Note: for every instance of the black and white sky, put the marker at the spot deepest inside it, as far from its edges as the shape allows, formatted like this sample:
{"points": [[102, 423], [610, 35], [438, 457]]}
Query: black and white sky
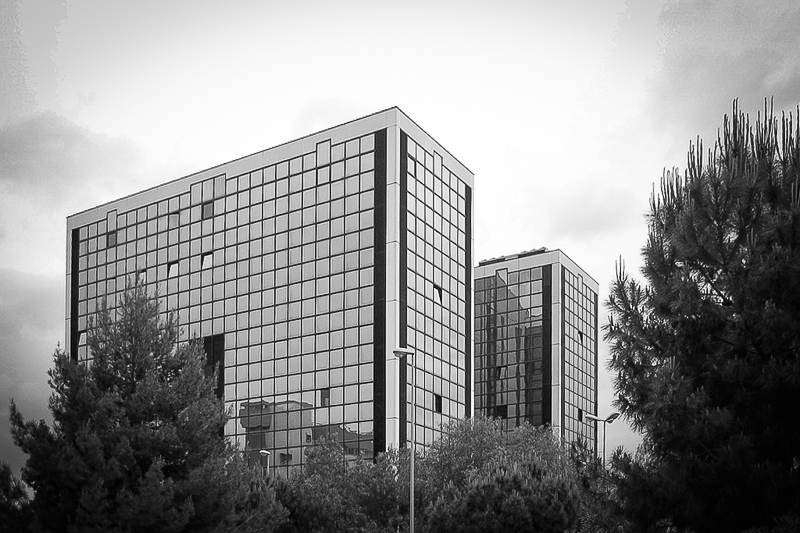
{"points": [[567, 112]]}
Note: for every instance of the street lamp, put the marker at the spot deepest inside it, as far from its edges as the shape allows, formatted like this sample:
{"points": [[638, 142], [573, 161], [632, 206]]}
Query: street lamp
{"points": [[609, 420], [263, 454], [405, 353]]}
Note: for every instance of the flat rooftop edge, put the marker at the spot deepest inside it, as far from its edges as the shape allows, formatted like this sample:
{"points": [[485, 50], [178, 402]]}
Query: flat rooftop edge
{"points": [[490, 264], [527, 253], [211, 170]]}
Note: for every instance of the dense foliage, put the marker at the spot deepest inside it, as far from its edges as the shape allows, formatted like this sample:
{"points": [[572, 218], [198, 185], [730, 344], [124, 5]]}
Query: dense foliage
{"points": [[707, 350], [476, 477], [331, 494], [136, 445], [506, 496], [15, 508], [480, 477], [136, 442], [600, 509]]}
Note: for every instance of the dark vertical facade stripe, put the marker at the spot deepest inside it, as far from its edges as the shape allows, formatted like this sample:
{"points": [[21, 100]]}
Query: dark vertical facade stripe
{"points": [[403, 286], [468, 292], [547, 345], [379, 303], [563, 354], [563, 341], [596, 368], [214, 347], [73, 296], [403, 236], [403, 402]]}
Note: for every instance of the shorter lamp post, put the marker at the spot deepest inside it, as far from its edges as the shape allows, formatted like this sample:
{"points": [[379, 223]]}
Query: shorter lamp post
{"points": [[263, 454], [609, 420], [402, 353]]}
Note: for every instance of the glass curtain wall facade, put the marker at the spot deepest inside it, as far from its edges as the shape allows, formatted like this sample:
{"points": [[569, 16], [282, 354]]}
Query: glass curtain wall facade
{"points": [[435, 288], [536, 343], [287, 265]]}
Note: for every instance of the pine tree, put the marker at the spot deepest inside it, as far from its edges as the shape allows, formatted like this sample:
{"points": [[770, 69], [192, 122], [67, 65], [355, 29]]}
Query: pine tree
{"points": [[334, 494], [707, 351], [507, 496], [15, 506], [478, 476], [136, 442]]}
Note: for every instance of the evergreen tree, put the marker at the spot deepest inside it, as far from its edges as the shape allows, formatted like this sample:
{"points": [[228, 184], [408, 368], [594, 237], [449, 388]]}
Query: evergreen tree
{"points": [[480, 477], [334, 494], [15, 506], [507, 496], [256, 508], [136, 442], [599, 506], [707, 351]]}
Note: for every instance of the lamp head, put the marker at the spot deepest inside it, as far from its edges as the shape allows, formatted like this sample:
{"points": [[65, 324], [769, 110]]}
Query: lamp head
{"points": [[402, 352], [612, 417], [264, 453]]}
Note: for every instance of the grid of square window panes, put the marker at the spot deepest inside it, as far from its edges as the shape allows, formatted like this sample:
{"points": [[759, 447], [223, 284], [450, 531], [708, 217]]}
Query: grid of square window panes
{"points": [[580, 357], [116, 250], [509, 346], [436, 291], [280, 261]]}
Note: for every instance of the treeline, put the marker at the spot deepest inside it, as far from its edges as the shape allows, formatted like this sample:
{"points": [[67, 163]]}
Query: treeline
{"points": [[137, 445]]}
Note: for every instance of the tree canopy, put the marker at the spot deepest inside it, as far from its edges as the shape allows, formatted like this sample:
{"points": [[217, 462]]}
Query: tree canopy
{"points": [[332, 494], [476, 477], [15, 508], [136, 445], [136, 441], [481, 477], [707, 349]]}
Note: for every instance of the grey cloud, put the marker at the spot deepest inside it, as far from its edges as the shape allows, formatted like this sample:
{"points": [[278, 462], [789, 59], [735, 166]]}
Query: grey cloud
{"points": [[30, 37], [48, 154], [31, 324], [29, 301], [16, 93], [716, 51]]}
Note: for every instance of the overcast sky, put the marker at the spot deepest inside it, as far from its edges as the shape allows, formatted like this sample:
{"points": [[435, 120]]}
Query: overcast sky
{"points": [[567, 112]]}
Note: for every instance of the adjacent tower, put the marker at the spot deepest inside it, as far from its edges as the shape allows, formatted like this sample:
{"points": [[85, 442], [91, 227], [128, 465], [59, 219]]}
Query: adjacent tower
{"points": [[536, 342], [301, 268]]}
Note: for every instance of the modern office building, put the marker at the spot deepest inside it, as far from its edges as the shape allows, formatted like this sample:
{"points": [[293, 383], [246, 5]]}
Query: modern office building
{"points": [[301, 268], [536, 342]]}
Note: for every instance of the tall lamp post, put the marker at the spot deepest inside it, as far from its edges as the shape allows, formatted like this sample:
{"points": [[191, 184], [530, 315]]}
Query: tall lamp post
{"points": [[405, 353], [605, 421]]}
